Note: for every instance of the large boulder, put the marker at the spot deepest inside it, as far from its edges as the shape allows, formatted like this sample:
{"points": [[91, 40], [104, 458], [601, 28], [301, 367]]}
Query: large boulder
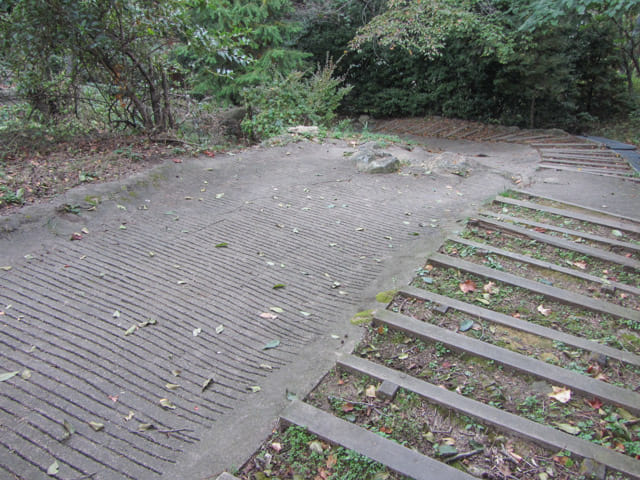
{"points": [[370, 158]]}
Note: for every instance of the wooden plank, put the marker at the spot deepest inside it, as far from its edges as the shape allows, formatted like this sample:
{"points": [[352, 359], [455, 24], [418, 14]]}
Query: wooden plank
{"points": [[558, 242], [589, 171], [613, 166], [542, 264], [558, 376], [566, 231], [554, 293], [505, 421], [523, 325], [581, 146], [391, 454], [613, 223], [590, 210]]}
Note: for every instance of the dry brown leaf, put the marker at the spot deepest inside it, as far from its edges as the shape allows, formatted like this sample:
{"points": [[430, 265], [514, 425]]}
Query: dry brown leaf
{"points": [[468, 286], [490, 287], [371, 391], [561, 394], [581, 264], [276, 446], [544, 311]]}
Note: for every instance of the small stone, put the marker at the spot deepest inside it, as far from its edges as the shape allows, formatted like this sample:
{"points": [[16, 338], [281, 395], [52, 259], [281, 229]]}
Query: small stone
{"points": [[541, 387], [592, 469], [387, 390], [600, 359], [442, 309], [608, 289]]}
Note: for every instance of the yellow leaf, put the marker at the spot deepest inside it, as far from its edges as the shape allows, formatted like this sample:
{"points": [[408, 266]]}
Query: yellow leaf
{"points": [[371, 391], [543, 311], [561, 394]]}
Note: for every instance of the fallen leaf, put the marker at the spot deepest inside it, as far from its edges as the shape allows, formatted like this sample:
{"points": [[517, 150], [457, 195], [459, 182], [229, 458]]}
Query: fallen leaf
{"points": [[305, 314], [468, 286], [25, 374], [177, 160], [7, 375], [561, 394], [566, 427], [196, 332], [68, 429], [271, 344], [594, 403], [220, 329], [403, 356], [76, 236], [116, 314], [143, 427], [514, 455], [276, 309], [543, 311], [616, 233], [222, 245], [445, 450], [370, 391], [581, 264], [206, 384], [276, 446], [172, 386], [130, 330], [540, 229], [347, 407], [166, 403], [113, 398], [316, 446], [254, 388], [278, 286], [264, 366], [129, 416], [122, 227], [6, 268], [97, 426], [53, 469], [219, 195], [268, 315], [331, 461], [489, 287], [176, 373], [466, 325]]}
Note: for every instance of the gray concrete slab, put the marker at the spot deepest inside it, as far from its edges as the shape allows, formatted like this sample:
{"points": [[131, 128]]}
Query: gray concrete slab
{"points": [[298, 215], [196, 248]]}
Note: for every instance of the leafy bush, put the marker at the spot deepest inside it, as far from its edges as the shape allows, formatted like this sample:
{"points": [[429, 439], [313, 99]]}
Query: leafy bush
{"points": [[294, 99]]}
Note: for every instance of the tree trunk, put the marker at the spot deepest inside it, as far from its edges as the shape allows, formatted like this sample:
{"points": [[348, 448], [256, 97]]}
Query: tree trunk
{"points": [[532, 113]]}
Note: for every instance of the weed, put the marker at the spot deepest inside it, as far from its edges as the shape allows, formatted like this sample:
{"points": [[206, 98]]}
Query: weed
{"points": [[9, 196]]}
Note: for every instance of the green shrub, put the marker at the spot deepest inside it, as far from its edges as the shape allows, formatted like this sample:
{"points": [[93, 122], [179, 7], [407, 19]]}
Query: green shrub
{"points": [[294, 99]]}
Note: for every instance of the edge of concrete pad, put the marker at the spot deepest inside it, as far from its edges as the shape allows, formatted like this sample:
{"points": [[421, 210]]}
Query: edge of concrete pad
{"points": [[226, 476], [262, 411]]}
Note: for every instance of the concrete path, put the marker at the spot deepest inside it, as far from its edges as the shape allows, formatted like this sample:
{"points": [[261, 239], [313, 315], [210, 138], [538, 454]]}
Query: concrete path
{"points": [[174, 285]]}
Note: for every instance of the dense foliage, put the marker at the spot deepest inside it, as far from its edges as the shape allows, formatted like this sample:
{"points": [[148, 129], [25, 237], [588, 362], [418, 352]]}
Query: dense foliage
{"points": [[528, 62]]}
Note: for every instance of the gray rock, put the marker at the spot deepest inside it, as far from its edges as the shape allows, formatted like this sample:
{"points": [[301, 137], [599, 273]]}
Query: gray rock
{"points": [[304, 130], [593, 469], [370, 159], [450, 162]]}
